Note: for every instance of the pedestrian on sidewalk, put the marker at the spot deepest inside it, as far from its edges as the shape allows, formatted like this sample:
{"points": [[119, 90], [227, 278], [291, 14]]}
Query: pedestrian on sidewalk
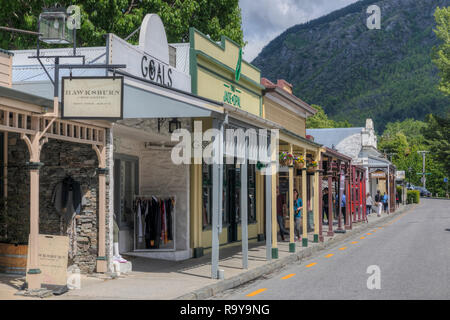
{"points": [[397, 199], [281, 207], [369, 203], [298, 206], [385, 203], [343, 208], [325, 208], [378, 203]]}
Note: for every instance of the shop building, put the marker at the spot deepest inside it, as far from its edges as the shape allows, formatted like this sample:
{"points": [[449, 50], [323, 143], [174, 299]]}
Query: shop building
{"points": [[219, 73], [360, 144], [137, 150], [290, 112]]}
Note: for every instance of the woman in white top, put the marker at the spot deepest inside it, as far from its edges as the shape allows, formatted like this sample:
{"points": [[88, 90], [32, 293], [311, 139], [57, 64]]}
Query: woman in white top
{"points": [[369, 203]]}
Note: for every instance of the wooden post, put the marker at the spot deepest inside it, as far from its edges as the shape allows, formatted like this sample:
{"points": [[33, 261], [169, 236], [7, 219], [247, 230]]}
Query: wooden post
{"points": [[304, 199], [101, 171], [320, 198], [291, 205], [315, 194], [348, 225], [330, 232]]}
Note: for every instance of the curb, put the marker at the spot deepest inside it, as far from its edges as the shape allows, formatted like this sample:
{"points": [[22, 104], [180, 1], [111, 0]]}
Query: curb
{"points": [[273, 265]]}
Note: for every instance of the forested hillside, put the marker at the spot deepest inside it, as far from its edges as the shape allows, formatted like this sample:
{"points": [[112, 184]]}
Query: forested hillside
{"points": [[355, 73]]}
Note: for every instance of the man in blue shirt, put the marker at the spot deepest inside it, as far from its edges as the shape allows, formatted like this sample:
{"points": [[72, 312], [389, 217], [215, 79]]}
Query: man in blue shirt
{"points": [[298, 206], [343, 208]]}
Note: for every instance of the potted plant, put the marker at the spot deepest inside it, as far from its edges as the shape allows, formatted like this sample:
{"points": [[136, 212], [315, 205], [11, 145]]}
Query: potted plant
{"points": [[311, 165], [299, 162], [14, 231], [286, 159]]}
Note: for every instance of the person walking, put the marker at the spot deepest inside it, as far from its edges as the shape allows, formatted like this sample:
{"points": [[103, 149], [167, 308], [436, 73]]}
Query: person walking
{"points": [[281, 207], [369, 203], [378, 203], [298, 206], [343, 208], [385, 203], [325, 208]]}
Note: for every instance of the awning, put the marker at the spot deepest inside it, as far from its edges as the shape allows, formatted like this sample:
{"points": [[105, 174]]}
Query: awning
{"points": [[143, 99]]}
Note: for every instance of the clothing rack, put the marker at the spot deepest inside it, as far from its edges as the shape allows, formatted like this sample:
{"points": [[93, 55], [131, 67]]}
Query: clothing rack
{"points": [[149, 197]]}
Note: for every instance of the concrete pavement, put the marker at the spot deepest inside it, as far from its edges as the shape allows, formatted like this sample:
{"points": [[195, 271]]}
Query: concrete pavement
{"points": [[157, 279], [411, 251]]}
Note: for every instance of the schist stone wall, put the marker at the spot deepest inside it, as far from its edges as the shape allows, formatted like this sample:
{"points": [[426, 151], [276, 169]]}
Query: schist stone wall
{"points": [[61, 159]]}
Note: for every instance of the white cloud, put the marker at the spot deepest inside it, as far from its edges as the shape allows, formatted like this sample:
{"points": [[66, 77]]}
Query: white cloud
{"points": [[263, 20]]}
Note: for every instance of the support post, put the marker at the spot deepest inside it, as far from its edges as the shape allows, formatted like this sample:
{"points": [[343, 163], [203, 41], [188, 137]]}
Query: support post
{"points": [[101, 171], [305, 204], [291, 205], [274, 199], [330, 232], [34, 277], [216, 190], [348, 197], [339, 197], [315, 198], [244, 207], [268, 199], [320, 198]]}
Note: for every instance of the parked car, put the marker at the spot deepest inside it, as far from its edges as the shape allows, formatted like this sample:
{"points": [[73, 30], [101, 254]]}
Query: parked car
{"points": [[423, 192], [410, 186]]}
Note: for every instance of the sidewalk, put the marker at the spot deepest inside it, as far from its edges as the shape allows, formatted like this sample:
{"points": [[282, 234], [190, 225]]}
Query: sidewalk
{"points": [[191, 279]]}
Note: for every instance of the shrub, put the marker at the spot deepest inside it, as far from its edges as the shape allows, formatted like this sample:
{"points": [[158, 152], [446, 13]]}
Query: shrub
{"points": [[413, 196]]}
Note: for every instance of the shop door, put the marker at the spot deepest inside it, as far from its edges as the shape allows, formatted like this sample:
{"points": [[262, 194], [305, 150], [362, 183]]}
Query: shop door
{"points": [[233, 202]]}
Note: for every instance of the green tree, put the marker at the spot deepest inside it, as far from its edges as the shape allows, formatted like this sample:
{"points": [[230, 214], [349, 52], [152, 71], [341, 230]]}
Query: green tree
{"points": [[320, 120], [442, 54], [122, 17], [437, 138]]}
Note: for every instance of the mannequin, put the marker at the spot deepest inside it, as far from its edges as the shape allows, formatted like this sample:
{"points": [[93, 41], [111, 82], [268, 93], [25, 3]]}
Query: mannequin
{"points": [[117, 257]]}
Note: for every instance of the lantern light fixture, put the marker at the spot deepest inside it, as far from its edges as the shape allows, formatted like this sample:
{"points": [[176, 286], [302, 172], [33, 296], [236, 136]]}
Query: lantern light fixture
{"points": [[53, 26]]}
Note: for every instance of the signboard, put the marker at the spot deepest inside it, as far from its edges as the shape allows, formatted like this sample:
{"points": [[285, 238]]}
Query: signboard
{"points": [[378, 175], [149, 60], [53, 253], [400, 175], [92, 98]]}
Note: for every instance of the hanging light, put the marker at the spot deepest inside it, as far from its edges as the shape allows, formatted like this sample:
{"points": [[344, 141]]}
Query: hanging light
{"points": [[174, 124], [53, 26]]}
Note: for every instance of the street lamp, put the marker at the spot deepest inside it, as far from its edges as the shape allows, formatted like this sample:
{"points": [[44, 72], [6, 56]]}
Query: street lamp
{"points": [[53, 26]]}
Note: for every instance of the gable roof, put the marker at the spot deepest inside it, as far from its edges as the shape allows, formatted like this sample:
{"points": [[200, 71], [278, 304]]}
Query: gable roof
{"points": [[330, 137]]}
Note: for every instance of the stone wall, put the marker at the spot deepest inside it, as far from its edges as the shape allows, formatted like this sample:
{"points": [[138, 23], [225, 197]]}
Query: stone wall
{"points": [[61, 159]]}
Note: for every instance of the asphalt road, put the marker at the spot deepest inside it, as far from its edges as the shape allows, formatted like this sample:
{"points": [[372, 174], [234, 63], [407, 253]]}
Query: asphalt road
{"points": [[412, 252]]}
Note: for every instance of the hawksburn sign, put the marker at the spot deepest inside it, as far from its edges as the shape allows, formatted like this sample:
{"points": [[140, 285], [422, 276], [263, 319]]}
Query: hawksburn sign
{"points": [[154, 70]]}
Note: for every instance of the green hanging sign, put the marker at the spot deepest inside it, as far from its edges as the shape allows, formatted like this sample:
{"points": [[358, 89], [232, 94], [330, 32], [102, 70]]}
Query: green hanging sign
{"points": [[237, 74]]}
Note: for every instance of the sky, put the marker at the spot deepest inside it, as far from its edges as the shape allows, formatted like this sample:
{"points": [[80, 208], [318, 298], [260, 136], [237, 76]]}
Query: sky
{"points": [[264, 20]]}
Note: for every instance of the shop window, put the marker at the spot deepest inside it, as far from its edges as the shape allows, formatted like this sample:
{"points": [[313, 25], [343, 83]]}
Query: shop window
{"points": [[126, 186], [206, 194], [251, 193]]}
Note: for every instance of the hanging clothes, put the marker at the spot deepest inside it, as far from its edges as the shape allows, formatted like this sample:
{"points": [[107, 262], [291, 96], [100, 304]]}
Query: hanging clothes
{"points": [[156, 215]]}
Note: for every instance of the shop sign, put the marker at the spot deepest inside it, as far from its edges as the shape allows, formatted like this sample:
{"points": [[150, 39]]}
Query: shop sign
{"points": [[150, 59], [400, 175], [92, 98], [231, 96], [53, 254], [378, 175]]}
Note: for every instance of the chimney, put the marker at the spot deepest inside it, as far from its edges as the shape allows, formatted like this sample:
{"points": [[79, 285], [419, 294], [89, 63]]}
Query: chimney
{"points": [[6, 68], [283, 84]]}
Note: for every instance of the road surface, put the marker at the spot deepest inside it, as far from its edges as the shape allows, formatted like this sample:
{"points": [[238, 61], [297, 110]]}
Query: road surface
{"points": [[410, 256]]}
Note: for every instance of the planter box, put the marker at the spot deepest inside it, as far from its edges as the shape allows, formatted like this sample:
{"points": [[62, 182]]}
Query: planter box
{"points": [[13, 258]]}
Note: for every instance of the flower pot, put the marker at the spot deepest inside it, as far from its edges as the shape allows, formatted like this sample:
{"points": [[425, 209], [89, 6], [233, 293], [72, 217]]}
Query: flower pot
{"points": [[299, 165], [13, 258]]}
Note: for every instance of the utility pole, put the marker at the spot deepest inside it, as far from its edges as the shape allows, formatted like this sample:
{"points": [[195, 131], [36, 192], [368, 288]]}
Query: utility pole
{"points": [[424, 179]]}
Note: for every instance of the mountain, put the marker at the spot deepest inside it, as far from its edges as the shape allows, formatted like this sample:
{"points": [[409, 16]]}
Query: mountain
{"points": [[355, 73]]}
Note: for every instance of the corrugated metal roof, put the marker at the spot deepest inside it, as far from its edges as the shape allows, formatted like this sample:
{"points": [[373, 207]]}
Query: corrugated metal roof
{"points": [[182, 56], [330, 137]]}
